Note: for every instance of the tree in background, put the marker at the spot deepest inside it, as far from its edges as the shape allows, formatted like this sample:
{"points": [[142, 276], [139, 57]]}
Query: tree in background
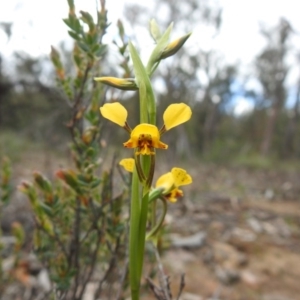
{"points": [[28, 88], [272, 70], [217, 94], [5, 84], [5, 89], [290, 146]]}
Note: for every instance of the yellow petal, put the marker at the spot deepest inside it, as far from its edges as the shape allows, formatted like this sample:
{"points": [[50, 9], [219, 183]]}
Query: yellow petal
{"points": [[144, 136], [114, 112], [145, 129], [127, 164], [130, 144], [176, 114], [162, 145], [181, 177], [165, 181]]}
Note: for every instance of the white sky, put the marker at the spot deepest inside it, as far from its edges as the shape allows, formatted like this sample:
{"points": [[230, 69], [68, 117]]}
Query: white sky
{"points": [[38, 24]]}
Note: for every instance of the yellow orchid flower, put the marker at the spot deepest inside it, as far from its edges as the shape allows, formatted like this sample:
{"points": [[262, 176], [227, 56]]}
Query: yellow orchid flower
{"points": [[172, 181], [145, 137]]}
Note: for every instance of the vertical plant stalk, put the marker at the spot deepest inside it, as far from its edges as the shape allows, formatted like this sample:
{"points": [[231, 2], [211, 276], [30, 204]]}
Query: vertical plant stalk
{"points": [[142, 229], [76, 247], [133, 237], [139, 208]]}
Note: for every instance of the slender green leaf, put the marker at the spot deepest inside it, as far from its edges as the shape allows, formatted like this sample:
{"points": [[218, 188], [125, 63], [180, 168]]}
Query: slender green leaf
{"points": [[147, 98]]}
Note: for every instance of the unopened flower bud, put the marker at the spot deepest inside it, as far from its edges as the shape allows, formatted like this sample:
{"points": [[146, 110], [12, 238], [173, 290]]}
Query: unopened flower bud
{"points": [[154, 30], [174, 46], [69, 177], [88, 135], [127, 84], [55, 57], [18, 233], [42, 182]]}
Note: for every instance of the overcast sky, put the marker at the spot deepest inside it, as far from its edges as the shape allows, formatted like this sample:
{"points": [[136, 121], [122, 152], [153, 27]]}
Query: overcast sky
{"points": [[38, 24]]}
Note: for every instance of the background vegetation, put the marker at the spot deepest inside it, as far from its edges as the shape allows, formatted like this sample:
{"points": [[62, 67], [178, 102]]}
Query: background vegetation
{"points": [[34, 107]]}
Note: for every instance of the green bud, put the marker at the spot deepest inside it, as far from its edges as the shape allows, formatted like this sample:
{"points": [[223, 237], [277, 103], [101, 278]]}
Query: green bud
{"points": [[55, 57], [28, 189], [90, 152], [42, 182], [19, 234], [77, 56], [89, 134], [121, 29], [127, 84], [88, 19], [47, 226], [154, 30], [69, 177], [71, 7]]}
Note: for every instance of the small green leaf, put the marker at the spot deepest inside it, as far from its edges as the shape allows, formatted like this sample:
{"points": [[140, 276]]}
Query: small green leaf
{"points": [[83, 47], [73, 35], [91, 116], [67, 22], [87, 18], [73, 23], [101, 51], [46, 209], [95, 183]]}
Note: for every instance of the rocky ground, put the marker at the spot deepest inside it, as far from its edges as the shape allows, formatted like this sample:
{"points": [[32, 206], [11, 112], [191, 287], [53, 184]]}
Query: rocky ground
{"points": [[245, 226], [235, 235]]}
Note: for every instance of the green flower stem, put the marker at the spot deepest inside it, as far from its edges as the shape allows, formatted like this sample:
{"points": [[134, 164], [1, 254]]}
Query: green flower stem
{"points": [[152, 108], [153, 211], [138, 222], [146, 164], [142, 230], [133, 238], [156, 228], [153, 200]]}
